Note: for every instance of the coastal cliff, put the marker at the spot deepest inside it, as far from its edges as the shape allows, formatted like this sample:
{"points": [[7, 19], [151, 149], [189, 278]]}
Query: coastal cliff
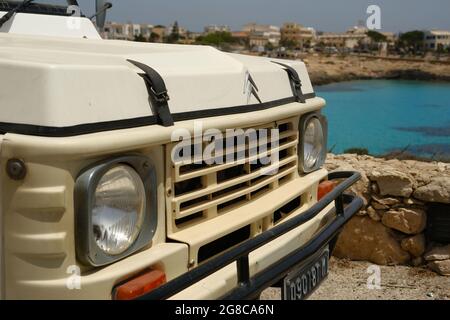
{"points": [[392, 228], [325, 70]]}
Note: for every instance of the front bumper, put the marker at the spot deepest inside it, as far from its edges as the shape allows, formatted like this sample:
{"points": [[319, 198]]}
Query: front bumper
{"points": [[345, 206]]}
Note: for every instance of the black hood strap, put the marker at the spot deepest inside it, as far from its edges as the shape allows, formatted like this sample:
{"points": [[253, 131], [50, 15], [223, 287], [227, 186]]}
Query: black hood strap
{"points": [[296, 83], [158, 94]]}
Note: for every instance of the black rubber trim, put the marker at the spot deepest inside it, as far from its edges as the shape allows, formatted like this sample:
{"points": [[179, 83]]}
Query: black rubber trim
{"points": [[45, 131], [231, 110], [294, 79], [37, 8]]}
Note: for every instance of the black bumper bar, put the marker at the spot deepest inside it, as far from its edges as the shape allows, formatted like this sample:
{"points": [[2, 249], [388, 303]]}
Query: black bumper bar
{"points": [[346, 207]]}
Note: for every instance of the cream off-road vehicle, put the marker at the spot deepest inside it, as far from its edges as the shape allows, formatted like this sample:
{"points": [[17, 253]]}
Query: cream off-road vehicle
{"points": [[153, 171]]}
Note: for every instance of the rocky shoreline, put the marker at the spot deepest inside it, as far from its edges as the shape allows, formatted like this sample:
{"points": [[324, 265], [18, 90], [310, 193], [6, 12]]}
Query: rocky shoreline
{"points": [[392, 227], [325, 70]]}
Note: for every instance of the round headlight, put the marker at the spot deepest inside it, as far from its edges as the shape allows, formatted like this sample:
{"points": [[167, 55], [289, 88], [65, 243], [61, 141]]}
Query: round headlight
{"points": [[119, 209], [313, 143]]}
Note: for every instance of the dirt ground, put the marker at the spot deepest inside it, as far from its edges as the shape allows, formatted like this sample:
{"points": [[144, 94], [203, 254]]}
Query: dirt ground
{"points": [[348, 281]]}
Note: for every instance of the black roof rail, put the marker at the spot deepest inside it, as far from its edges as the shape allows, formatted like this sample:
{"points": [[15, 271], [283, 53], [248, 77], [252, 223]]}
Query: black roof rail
{"points": [[37, 8]]}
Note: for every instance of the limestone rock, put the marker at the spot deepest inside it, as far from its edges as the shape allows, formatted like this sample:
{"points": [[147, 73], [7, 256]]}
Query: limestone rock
{"points": [[396, 194], [386, 201], [361, 213], [362, 187], [366, 239], [409, 221], [441, 267], [442, 167], [415, 245], [416, 262], [438, 253], [373, 214], [438, 190], [392, 182], [413, 202], [374, 188], [379, 206]]}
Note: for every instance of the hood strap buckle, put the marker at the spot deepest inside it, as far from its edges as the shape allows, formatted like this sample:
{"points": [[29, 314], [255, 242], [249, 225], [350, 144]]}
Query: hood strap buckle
{"points": [[158, 93], [296, 83]]}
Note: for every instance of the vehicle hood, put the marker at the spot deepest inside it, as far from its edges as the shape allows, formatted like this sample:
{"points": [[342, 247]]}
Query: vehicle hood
{"points": [[61, 82]]}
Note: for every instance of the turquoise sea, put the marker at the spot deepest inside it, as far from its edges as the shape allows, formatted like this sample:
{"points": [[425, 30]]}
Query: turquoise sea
{"points": [[387, 115]]}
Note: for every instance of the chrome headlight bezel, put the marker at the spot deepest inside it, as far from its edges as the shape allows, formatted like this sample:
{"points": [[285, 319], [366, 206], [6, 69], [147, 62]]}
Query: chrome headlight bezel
{"points": [[88, 252], [304, 121]]}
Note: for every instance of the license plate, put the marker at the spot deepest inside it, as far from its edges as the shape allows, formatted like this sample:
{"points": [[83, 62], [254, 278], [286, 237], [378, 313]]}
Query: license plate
{"points": [[301, 283]]}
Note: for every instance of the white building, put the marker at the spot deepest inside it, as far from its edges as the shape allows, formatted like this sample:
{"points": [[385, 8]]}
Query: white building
{"points": [[435, 39], [269, 33], [146, 30], [126, 31], [217, 28], [135, 29], [119, 31]]}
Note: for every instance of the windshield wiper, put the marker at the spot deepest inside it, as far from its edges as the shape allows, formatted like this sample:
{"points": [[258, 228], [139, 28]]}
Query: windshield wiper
{"points": [[11, 12]]}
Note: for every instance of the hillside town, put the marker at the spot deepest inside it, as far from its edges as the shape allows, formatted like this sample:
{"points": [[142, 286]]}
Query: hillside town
{"points": [[290, 39]]}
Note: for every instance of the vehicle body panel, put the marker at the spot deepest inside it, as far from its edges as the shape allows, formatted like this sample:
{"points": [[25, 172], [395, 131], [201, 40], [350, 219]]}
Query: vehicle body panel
{"points": [[73, 82], [39, 242]]}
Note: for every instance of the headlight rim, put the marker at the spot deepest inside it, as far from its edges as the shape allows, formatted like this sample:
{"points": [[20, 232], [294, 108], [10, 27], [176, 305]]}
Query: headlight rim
{"points": [[304, 121], [87, 250]]}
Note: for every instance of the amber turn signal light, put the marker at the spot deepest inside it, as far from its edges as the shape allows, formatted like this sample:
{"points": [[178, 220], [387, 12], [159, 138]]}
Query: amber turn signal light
{"points": [[325, 188], [139, 286]]}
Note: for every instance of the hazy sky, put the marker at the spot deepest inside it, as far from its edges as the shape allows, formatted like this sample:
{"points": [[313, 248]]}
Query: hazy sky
{"points": [[324, 15]]}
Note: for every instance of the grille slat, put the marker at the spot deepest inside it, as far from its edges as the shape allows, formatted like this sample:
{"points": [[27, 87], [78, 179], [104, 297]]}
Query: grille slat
{"points": [[234, 194], [179, 176], [230, 183], [225, 186]]}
